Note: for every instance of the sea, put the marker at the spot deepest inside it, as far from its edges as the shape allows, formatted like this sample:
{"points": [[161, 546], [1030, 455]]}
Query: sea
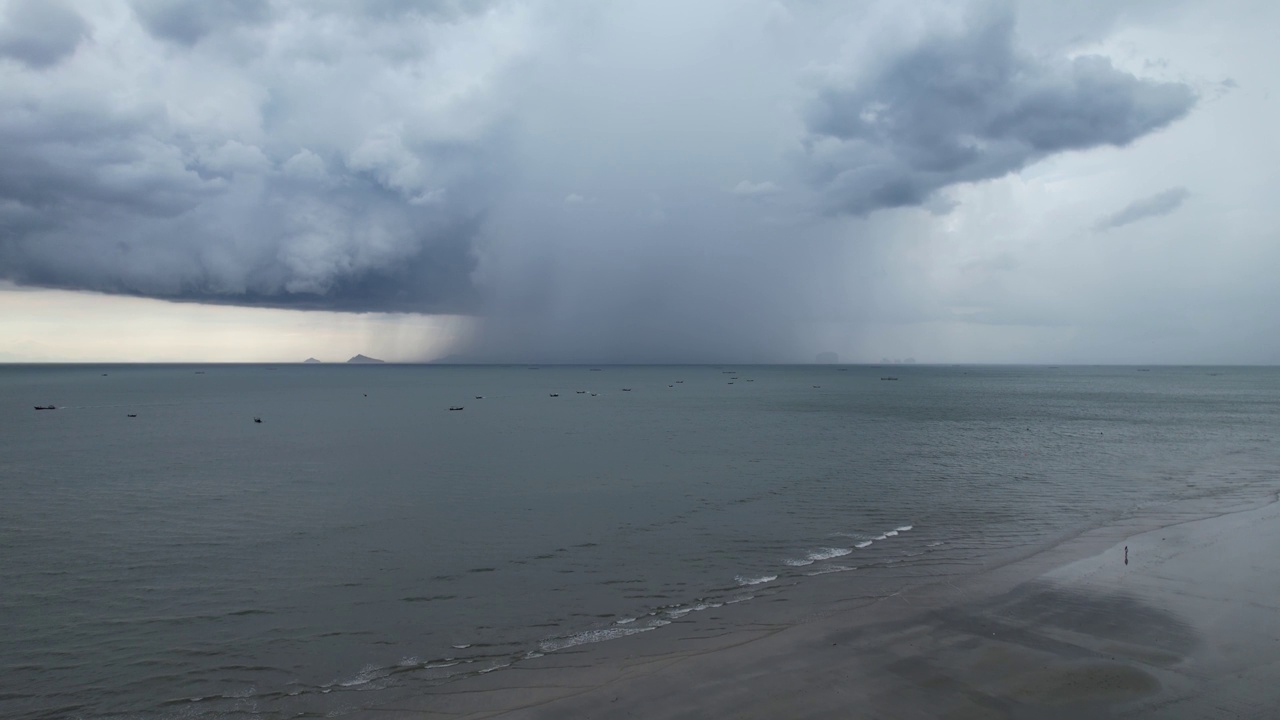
{"points": [[280, 541]]}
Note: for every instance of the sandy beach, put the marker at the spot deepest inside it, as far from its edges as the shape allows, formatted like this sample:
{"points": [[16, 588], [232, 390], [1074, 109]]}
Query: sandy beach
{"points": [[1188, 627]]}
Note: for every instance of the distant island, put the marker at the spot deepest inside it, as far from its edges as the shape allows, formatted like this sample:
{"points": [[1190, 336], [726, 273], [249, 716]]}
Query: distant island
{"points": [[363, 359], [313, 360]]}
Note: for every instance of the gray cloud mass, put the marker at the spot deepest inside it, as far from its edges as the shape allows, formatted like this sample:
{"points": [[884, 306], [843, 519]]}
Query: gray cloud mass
{"points": [[965, 105], [590, 182], [40, 33], [1162, 203]]}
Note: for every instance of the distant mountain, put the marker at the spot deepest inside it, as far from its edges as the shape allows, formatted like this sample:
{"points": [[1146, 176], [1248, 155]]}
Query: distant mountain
{"points": [[313, 360], [363, 359]]}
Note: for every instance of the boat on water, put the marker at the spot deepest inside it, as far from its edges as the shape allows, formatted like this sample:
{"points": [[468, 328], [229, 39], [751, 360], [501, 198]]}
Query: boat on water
{"points": [[46, 407], [456, 407], [257, 419], [555, 394]]}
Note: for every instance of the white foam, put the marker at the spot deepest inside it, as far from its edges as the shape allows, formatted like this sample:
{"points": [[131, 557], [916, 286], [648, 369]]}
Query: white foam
{"points": [[495, 667], [797, 563], [864, 543], [745, 581], [699, 607], [461, 647], [737, 600], [828, 553], [935, 544], [366, 675], [831, 569], [880, 537], [891, 533], [590, 636], [624, 621], [905, 528]]}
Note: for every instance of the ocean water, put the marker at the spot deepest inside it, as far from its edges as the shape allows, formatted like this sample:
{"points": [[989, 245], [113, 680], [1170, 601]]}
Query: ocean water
{"points": [[363, 542]]}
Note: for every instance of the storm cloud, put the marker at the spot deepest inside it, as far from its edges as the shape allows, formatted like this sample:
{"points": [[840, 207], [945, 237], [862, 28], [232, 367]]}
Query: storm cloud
{"points": [[1162, 203], [250, 164], [659, 181], [39, 33], [964, 104]]}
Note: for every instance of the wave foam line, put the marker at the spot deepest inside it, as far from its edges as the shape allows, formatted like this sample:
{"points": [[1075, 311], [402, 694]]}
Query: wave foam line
{"points": [[591, 636], [831, 569]]}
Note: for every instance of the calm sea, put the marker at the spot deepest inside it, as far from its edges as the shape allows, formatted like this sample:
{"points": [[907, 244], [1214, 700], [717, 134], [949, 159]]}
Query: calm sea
{"points": [[162, 555]]}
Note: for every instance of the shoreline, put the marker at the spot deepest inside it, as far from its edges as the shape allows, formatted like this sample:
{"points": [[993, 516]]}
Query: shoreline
{"points": [[1070, 631]]}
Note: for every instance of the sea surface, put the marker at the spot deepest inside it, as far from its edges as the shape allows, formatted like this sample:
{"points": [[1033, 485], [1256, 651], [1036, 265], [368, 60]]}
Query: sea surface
{"points": [[363, 542]]}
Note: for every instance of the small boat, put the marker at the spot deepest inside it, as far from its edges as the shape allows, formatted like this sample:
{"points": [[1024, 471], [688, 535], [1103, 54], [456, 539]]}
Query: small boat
{"points": [[593, 394], [626, 389], [46, 407], [581, 392], [133, 414], [817, 386], [257, 419], [555, 394], [479, 397], [888, 378], [456, 407]]}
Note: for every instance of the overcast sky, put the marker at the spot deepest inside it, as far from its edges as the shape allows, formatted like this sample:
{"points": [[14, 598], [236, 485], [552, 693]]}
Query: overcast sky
{"points": [[658, 181]]}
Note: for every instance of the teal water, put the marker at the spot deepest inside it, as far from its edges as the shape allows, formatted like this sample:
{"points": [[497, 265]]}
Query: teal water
{"points": [[363, 541]]}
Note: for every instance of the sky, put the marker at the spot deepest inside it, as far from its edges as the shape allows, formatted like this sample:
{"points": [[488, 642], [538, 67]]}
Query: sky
{"points": [[585, 181]]}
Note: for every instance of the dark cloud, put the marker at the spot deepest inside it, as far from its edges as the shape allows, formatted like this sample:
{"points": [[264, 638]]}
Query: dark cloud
{"points": [[40, 33], [1161, 203], [186, 22], [326, 187], [967, 105], [399, 9]]}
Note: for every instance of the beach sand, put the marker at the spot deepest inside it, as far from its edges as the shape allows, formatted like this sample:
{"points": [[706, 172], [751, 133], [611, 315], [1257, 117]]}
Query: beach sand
{"points": [[1189, 627]]}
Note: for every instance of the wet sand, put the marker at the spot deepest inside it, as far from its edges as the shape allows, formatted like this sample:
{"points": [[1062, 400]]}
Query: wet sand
{"points": [[1188, 628]]}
